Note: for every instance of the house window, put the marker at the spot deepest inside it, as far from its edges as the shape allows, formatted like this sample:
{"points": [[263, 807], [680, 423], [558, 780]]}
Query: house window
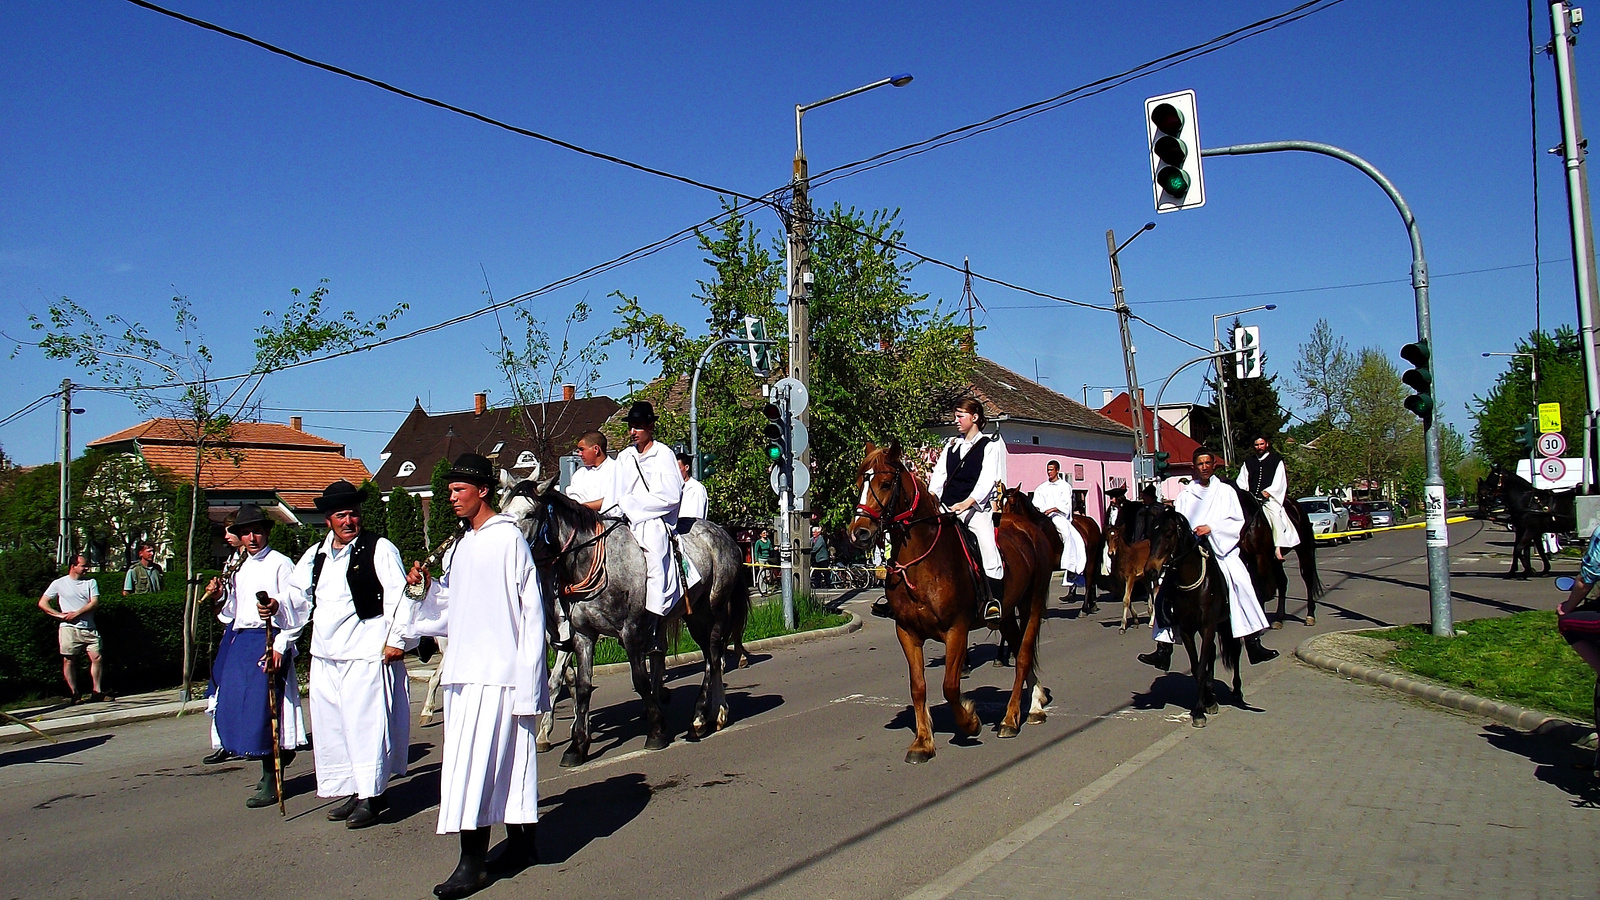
{"points": [[1036, 439], [1077, 472], [525, 460], [406, 468]]}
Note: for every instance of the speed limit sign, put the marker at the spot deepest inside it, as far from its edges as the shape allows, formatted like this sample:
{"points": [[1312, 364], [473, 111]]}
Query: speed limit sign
{"points": [[1552, 469], [1551, 443]]}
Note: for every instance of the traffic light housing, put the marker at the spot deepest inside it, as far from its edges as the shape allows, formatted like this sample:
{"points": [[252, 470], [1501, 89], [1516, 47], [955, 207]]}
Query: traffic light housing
{"points": [[776, 432], [1247, 351], [1163, 464], [1420, 379], [707, 465], [1174, 132], [760, 354], [1527, 435]]}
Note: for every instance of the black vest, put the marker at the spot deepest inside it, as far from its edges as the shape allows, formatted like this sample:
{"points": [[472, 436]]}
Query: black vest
{"points": [[366, 591], [1262, 471], [961, 475]]}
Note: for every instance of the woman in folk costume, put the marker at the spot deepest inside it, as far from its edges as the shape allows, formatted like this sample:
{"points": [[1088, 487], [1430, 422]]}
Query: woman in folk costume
{"points": [[1213, 510], [651, 489], [964, 478], [244, 723], [1265, 477], [1054, 499], [490, 606]]}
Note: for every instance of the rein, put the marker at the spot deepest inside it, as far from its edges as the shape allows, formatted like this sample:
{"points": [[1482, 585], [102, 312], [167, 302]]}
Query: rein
{"points": [[595, 579], [903, 522]]}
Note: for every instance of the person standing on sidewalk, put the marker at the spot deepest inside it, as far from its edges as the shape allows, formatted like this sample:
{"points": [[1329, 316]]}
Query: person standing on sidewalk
{"points": [[145, 576], [490, 605], [77, 595], [355, 584]]}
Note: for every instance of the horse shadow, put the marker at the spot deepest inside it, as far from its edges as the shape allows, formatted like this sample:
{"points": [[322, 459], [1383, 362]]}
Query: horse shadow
{"points": [[48, 752], [584, 813], [612, 726], [1179, 689], [1558, 761], [989, 701]]}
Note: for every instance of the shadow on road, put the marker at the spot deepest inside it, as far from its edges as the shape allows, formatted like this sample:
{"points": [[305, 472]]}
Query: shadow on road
{"points": [[570, 820], [1179, 689], [45, 752], [1558, 762]]}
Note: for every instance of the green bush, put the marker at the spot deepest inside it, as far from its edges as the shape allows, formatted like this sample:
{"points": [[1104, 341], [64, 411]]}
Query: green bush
{"points": [[26, 572]]}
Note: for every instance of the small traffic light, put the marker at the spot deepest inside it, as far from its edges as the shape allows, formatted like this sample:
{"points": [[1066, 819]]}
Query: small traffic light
{"points": [[1527, 435], [777, 434], [1247, 352], [1174, 133], [760, 354], [1420, 379], [707, 465], [1163, 464]]}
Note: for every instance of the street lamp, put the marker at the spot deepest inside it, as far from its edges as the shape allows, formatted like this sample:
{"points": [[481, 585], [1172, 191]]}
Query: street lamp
{"points": [[1222, 377], [799, 290], [1129, 369]]}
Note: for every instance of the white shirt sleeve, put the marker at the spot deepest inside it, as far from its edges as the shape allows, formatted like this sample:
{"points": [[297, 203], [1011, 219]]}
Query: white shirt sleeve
{"points": [[994, 469], [1279, 488], [937, 479]]}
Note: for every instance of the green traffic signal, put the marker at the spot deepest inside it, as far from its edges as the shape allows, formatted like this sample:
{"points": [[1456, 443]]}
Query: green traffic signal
{"points": [[774, 432], [1162, 463], [1172, 180], [1420, 379]]}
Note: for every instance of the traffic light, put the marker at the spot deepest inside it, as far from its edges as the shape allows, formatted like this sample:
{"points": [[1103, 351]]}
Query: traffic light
{"points": [[1162, 464], [707, 465], [760, 354], [1247, 352], [1527, 435], [1420, 379], [777, 433], [1174, 134]]}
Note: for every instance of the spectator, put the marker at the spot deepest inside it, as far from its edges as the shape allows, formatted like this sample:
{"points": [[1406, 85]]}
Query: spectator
{"points": [[761, 550], [820, 560], [77, 596], [145, 576], [1578, 619]]}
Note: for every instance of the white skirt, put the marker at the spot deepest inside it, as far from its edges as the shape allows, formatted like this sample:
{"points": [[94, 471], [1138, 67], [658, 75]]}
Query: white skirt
{"points": [[362, 711], [490, 773]]}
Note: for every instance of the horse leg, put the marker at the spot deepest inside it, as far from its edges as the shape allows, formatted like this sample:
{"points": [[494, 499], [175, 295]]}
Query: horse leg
{"points": [[541, 740], [1208, 663], [1027, 646], [1127, 601], [1197, 714], [921, 749], [1040, 697], [955, 645], [1091, 571], [648, 669], [582, 686], [1230, 658]]}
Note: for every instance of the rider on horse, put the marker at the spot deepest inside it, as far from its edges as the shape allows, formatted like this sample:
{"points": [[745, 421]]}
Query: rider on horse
{"points": [[1054, 499], [651, 487], [1265, 477], [1213, 511]]}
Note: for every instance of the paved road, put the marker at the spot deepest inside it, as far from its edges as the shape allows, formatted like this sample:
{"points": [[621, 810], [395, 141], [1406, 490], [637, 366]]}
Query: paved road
{"points": [[803, 796]]}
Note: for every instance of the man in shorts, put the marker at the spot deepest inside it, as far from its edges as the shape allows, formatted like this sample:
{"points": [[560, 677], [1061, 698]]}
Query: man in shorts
{"points": [[76, 595]]}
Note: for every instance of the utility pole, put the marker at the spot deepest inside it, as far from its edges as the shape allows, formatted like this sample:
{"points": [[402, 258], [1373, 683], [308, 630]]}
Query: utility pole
{"points": [[64, 534], [1135, 404], [800, 281], [1563, 19]]}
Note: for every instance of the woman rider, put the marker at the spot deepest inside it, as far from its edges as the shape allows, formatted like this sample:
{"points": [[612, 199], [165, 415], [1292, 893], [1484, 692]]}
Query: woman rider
{"points": [[964, 479]]}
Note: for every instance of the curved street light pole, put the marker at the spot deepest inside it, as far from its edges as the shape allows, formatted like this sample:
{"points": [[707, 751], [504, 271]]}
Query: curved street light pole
{"points": [[1222, 380]]}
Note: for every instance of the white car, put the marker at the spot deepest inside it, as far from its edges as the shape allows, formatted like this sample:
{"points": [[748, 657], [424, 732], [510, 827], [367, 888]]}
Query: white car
{"points": [[1326, 514]]}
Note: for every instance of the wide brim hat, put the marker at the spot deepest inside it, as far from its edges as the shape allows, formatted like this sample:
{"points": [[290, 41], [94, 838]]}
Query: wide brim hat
{"points": [[472, 469], [340, 495], [249, 514], [640, 413]]}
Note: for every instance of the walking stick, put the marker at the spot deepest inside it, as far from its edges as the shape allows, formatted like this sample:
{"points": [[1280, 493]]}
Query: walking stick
{"points": [[41, 733], [273, 709]]}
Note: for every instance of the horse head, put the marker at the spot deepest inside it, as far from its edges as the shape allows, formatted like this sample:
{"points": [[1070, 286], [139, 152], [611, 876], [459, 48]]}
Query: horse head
{"points": [[889, 494], [521, 499], [1171, 538]]}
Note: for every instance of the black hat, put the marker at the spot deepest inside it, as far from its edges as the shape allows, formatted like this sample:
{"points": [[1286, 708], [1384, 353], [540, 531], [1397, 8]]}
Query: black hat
{"points": [[641, 413], [473, 469], [249, 514], [340, 495], [1119, 489]]}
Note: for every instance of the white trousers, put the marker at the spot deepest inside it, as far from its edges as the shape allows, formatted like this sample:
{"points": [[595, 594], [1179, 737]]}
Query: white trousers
{"points": [[433, 680], [662, 585], [981, 523], [1283, 532], [1074, 556], [362, 711], [490, 773], [1245, 615]]}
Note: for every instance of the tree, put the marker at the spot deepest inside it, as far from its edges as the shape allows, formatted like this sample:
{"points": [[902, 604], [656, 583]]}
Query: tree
{"points": [[884, 365], [441, 519], [1254, 407], [1510, 401], [537, 371], [176, 381], [292, 540], [1381, 436], [404, 525], [123, 504], [186, 499], [374, 517], [1324, 371]]}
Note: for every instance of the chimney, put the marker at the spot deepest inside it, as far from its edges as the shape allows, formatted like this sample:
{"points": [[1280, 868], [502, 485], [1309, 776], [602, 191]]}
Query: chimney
{"points": [[480, 403], [569, 392], [1141, 397], [1105, 396], [295, 422]]}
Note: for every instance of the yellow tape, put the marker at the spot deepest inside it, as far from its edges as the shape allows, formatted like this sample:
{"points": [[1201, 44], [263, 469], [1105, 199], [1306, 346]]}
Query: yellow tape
{"points": [[1453, 520]]}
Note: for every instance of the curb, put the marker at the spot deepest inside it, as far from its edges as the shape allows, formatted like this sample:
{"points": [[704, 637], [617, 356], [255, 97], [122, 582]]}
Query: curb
{"points": [[1519, 717], [800, 637]]}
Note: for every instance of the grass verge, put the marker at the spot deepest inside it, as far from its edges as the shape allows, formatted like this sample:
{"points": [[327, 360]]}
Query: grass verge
{"points": [[766, 620], [1516, 659]]}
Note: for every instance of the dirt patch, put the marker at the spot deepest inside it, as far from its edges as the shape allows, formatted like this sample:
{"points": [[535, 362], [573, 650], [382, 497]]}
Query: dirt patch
{"points": [[1356, 648]]}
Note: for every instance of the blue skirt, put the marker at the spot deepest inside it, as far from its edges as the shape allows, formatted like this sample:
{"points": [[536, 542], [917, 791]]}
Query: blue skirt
{"points": [[244, 718], [220, 661]]}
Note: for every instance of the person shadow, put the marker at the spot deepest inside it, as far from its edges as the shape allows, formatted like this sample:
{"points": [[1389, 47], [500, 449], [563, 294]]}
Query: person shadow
{"points": [[48, 752], [1557, 758], [1179, 689], [588, 812]]}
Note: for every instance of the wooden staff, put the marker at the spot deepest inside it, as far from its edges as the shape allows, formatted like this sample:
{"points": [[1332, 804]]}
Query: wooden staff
{"points": [[273, 705]]}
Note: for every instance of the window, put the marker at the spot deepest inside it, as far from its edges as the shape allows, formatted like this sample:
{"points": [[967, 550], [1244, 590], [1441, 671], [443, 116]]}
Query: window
{"points": [[1077, 471], [525, 460], [406, 468]]}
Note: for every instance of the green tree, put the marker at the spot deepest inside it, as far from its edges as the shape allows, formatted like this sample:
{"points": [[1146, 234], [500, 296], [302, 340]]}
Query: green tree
{"points": [[293, 540], [186, 499], [884, 364], [1323, 373], [123, 504], [1510, 401], [404, 525], [1254, 407], [374, 517], [441, 519], [537, 371]]}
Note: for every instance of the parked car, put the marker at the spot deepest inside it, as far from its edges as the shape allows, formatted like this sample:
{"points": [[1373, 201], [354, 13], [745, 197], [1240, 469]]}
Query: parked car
{"points": [[1384, 513], [1327, 515], [1360, 516]]}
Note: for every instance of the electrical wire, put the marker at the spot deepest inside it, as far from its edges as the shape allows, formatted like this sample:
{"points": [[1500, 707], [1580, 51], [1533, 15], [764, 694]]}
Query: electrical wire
{"points": [[28, 409]]}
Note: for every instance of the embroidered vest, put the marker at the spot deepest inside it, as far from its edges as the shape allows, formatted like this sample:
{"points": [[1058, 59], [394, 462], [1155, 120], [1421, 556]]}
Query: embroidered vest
{"points": [[366, 591], [1262, 471], [961, 475]]}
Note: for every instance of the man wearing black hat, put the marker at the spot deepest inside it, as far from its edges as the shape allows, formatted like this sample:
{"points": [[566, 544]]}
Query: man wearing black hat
{"points": [[490, 606], [244, 724], [652, 489], [360, 615]]}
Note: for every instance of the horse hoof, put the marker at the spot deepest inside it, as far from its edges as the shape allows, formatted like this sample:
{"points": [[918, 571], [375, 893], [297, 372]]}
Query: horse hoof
{"points": [[697, 728], [1090, 609], [1036, 718], [918, 757], [1198, 721], [572, 758], [657, 742], [999, 663], [1277, 626], [1212, 709], [1310, 621], [722, 717], [542, 746], [1007, 731]]}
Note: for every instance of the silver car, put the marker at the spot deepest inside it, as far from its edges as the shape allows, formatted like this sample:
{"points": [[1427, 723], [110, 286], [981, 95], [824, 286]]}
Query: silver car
{"points": [[1383, 513], [1326, 515]]}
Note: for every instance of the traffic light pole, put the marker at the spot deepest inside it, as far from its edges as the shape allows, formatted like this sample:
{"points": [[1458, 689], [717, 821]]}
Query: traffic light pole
{"points": [[1438, 531], [1135, 404], [694, 393], [1216, 354]]}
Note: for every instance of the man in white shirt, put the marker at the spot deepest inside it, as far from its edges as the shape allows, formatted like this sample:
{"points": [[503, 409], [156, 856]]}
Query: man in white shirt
{"points": [[1054, 499], [360, 618], [595, 483], [694, 504], [651, 490], [1213, 511], [77, 595], [246, 661], [490, 606]]}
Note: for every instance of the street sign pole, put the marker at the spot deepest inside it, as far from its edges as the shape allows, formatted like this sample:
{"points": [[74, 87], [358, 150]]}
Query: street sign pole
{"points": [[1434, 502]]}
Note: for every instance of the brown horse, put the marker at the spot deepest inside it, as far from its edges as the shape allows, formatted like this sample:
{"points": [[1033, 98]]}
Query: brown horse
{"points": [[1260, 555], [1094, 548], [1128, 543], [932, 587]]}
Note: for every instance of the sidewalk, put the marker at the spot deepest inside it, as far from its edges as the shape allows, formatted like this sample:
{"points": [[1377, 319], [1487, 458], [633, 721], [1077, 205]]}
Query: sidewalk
{"points": [[1327, 787]]}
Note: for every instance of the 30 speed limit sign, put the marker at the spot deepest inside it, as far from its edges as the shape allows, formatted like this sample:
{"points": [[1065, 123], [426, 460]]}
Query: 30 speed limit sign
{"points": [[1551, 443]]}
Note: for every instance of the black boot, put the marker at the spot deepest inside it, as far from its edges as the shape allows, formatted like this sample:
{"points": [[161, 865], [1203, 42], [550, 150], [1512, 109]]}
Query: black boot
{"points": [[472, 872], [342, 812], [1161, 657], [991, 604], [266, 789], [880, 608], [366, 812], [221, 756], [1256, 652], [520, 851]]}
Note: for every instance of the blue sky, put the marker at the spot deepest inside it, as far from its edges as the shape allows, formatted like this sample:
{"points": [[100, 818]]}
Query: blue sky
{"points": [[144, 157]]}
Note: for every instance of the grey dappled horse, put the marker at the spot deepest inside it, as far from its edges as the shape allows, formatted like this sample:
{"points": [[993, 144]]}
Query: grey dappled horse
{"points": [[598, 560]]}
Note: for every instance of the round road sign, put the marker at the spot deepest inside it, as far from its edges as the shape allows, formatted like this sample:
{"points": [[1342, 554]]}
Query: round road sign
{"points": [[1552, 469], [1551, 443]]}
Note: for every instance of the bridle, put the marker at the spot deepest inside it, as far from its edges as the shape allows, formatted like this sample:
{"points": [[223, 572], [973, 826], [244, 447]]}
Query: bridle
{"points": [[1194, 545], [900, 523], [546, 553]]}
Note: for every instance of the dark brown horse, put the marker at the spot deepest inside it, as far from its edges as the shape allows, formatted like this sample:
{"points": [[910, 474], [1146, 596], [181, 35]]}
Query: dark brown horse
{"points": [[931, 586], [1260, 555], [1194, 595], [1533, 512], [1094, 549]]}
